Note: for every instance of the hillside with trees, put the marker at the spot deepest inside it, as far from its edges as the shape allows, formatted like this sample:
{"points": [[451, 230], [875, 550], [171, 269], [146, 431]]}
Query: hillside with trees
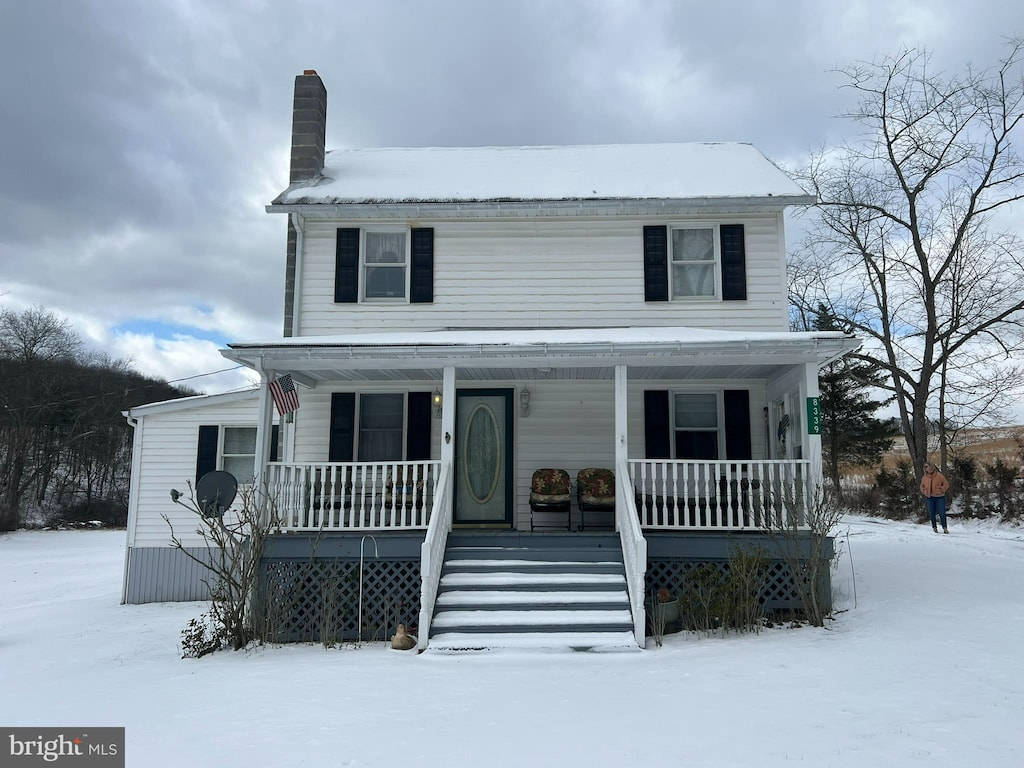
{"points": [[65, 447]]}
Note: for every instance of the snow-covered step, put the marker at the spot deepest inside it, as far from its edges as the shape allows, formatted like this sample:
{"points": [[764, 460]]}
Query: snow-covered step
{"points": [[519, 580], [568, 619], [522, 599], [534, 641]]}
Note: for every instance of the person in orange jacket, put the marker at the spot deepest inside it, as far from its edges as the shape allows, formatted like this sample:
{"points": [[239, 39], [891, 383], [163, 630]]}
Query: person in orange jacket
{"points": [[933, 487]]}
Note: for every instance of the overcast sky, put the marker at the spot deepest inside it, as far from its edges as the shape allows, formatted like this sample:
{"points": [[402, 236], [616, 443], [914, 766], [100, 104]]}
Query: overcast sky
{"points": [[141, 139]]}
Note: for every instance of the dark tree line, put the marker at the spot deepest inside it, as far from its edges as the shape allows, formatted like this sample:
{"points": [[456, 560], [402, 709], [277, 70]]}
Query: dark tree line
{"points": [[65, 447]]}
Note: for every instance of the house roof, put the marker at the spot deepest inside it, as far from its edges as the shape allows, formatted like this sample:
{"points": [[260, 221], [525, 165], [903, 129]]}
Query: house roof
{"points": [[694, 171], [384, 354], [193, 401]]}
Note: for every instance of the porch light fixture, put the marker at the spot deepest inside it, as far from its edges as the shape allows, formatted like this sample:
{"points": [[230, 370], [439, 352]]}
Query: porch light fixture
{"points": [[436, 402], [524, 402]]}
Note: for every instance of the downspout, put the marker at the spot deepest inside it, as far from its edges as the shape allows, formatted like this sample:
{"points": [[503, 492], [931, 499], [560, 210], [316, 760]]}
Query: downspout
{"points": [[133, 499], [297, 223]]}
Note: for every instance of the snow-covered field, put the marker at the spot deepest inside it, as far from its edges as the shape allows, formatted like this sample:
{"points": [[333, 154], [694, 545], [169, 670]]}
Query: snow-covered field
{"points": [[925, 668]]}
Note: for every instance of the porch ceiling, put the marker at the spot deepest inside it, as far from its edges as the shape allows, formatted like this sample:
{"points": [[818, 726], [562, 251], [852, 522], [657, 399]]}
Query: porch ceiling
{"points": [[649, 353]]}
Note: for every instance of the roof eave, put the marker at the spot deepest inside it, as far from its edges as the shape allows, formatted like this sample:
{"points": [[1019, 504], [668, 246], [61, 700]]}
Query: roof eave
{"points": [[525, 208]]}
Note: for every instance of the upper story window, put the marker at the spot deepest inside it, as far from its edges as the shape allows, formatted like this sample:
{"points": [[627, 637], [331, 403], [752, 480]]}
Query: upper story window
{"points": [[384, 265], [694, 262]]}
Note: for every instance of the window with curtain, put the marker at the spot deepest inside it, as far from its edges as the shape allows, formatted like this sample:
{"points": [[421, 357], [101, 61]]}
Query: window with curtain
{"points": [[238, 453], [385, 265], [694, 262], [381, 424]]}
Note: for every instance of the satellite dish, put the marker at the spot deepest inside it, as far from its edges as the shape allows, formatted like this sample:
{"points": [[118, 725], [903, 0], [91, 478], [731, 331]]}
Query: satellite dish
{"points": [[214, 493]]}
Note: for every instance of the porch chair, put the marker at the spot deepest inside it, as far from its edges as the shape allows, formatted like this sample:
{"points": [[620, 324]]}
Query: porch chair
{"points": [[595, 492], [549, 492]]}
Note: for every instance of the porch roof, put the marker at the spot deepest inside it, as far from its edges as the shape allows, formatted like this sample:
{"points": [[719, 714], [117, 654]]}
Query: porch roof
{"points": [[671, 352]]}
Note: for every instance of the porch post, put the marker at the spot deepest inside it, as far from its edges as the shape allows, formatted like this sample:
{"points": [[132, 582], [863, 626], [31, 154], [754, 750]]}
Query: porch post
{"points": [[448, 417], [808, 389], [621, 437], [264, 422]]}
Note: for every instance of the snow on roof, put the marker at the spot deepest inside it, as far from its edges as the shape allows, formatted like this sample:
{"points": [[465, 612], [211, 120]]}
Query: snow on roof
{"points": [[192, 401], [584, 172]]}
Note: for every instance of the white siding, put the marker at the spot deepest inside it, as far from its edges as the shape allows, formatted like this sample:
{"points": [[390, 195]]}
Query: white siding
{"points": [[545, 273], [168, 460], [570, 426]]}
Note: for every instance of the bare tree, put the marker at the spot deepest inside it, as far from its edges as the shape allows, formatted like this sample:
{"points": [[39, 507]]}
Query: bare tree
{"points": [[909, 246]]}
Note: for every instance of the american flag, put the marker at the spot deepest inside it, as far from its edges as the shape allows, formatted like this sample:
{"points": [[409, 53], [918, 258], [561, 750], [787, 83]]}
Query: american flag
{"points": [[282, 389]]}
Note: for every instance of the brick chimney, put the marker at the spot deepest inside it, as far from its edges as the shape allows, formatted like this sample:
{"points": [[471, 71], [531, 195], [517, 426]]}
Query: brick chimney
{"points": [[309, 127]]}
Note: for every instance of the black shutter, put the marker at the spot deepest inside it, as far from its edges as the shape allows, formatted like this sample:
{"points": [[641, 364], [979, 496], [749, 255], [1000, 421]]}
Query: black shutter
{"points": [[737, 424], [734, 262], [343, 423], [275, 435], [422, 280], [656, 427], [655, 264], [346, 267], [206, 450], [417, 436]]}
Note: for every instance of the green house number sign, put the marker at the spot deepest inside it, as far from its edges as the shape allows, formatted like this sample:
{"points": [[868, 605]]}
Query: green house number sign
{"points": [[813, 416]]}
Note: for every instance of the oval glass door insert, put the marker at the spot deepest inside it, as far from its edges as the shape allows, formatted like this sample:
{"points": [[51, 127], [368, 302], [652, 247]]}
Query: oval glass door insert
{"points": [[483, 454]]}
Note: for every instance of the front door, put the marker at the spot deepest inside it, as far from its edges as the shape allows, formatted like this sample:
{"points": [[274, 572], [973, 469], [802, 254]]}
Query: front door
{"points": [[483, 457]]}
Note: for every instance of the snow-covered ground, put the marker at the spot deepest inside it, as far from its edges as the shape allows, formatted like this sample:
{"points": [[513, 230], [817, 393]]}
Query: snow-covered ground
{"points": [[925, 668]]}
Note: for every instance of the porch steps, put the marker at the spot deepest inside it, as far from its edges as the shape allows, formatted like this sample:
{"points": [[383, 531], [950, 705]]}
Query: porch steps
{"points": [[553, 592]]}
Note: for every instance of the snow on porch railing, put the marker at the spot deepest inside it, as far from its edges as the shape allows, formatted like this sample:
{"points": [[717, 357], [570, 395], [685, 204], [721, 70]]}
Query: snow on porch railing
{"points": [[717, 495], [326, 496]]}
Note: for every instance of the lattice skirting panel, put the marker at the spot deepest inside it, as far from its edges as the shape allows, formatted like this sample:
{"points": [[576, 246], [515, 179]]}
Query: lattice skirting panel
{"points": [[318, 600], [778, 594]]}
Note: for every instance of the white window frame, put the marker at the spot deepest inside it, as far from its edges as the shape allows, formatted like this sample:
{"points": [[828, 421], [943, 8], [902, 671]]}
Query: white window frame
{"points": [[358, 431], [222, 454], [716, 244], [719, 419], [363, 265]]}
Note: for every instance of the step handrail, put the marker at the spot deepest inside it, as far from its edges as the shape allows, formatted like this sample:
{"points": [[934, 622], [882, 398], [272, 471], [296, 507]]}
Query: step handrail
{"points": [[634, 551], [432, 552]]}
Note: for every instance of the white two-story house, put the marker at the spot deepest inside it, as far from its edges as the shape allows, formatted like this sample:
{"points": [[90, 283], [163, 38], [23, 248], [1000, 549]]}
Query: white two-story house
{"points": [[462, 321]]}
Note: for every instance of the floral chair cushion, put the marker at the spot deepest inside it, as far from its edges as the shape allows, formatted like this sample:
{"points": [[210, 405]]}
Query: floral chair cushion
{"points": [[595, 487], [550, 486]]}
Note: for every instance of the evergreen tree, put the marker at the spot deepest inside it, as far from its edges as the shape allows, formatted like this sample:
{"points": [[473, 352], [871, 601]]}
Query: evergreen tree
{"points": [[850, 433]]}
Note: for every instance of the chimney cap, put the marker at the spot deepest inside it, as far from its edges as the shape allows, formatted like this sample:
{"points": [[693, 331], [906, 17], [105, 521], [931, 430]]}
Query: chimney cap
{"points": [[309, 71]]}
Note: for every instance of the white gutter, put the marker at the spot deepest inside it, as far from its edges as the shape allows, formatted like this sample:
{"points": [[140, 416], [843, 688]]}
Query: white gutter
{"points": [[298, 222], [370, 209]]}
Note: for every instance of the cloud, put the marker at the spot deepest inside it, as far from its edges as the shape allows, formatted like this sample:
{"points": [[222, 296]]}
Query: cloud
{"points": [[142, 139]]}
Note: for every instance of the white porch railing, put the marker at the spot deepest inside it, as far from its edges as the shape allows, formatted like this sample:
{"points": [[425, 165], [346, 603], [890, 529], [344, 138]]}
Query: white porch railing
{"points": [[634, 554], [432, 552], [374, 496], [721, 495]]}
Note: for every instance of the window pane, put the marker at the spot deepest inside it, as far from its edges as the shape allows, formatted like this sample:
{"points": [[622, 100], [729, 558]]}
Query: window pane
{"points": [[693, 245], [385, 282], [381, 418], [693, 279], [241, 467], [240, 440], [385, 248], [697, 445], [696, 411]]}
